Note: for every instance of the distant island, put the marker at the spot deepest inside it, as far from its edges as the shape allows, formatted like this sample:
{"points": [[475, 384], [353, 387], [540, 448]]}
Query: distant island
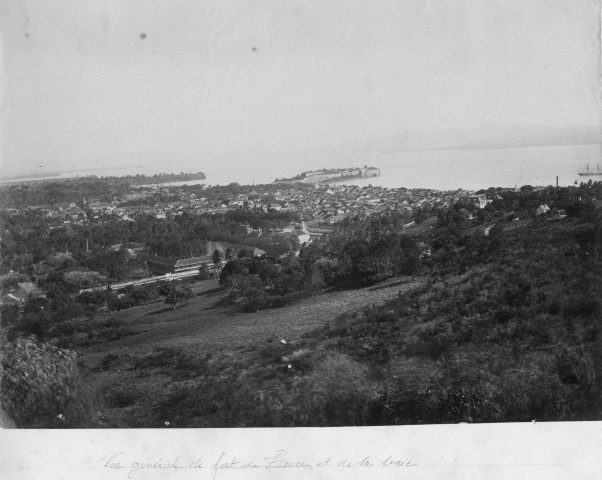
{"points": [[164, 178], [135, 180], [30, 176], [331, 175]]}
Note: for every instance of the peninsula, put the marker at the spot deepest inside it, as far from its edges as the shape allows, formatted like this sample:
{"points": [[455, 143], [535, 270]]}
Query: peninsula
{"points": [[331, 175]]}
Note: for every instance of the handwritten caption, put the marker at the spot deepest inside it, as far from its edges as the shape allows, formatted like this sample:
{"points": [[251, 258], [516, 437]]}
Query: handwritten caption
{"points": [[279, 459]]}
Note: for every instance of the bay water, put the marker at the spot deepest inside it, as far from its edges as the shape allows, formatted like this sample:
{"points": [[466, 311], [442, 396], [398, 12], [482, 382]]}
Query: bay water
{"points": [[435, 169]]}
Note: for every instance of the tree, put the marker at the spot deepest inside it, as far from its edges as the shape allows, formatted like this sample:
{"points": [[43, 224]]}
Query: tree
{"points": [[420, 216], [81, 279], [216, 257], [310, 254], [34, 304], [12, 280], [229, 254], [409, 258], [238, 266], [313, 281], [484, 215], [289, 276], [178, 295], [266, 269], [204, 273]]}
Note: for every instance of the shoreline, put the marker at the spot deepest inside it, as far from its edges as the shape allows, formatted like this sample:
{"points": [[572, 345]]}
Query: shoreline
{"points": [[173, 177]]}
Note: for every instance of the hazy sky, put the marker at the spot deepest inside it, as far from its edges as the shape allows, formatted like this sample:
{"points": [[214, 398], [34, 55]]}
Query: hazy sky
{"points": [[85, 79]]}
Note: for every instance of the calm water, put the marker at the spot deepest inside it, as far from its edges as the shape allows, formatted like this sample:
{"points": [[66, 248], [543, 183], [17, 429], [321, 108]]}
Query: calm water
{"points": [[441, 169], [450, 169]]}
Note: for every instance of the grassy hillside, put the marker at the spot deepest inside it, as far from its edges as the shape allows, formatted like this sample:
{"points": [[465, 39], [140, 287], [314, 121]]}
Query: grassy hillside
{"points": [[186, 367], [513, 338]]}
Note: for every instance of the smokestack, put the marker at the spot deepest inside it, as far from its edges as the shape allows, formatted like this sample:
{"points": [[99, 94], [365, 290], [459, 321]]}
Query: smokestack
{"points": [[556, 181]]}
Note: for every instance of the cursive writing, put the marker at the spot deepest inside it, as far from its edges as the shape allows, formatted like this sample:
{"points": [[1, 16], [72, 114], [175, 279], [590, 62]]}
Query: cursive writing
{"points": [[224, 462]]}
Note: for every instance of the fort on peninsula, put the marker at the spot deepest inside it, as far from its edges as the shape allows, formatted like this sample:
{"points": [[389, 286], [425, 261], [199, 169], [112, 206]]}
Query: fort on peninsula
{"points": [[332, 175]]}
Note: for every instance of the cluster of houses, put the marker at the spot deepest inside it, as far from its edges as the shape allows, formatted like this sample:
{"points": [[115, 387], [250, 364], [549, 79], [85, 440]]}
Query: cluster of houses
{"points": [[480, 200], [320, 208], [330, 204], [327, 204]]}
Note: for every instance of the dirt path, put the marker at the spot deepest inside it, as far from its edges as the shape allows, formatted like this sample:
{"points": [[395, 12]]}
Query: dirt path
{"points": [[205, 325]]}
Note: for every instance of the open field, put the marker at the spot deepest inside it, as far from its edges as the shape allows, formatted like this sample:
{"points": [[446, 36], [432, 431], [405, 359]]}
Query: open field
{"points": [[206, 338]]}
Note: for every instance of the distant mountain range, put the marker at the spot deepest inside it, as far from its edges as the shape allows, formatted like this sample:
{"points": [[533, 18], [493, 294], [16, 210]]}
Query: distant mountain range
{"points": [[487, 137]]}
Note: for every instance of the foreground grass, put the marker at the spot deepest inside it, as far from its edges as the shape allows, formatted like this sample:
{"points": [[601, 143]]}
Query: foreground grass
{"points": [[186, 367]]}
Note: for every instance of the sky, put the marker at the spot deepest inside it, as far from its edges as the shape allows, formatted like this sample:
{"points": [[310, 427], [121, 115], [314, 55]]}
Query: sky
{"points": [[87, 81]]}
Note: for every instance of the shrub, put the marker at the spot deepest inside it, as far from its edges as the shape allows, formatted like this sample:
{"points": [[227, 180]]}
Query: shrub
{"points": [[288, 299], [273, 351], [255, 302], [41, 386], [407, 395], [178, 295], [109, 360], [122, 303], [9, 314], [173, 361], [338, 392], [433, 339], [204, 273], [142, 294], [164, 288], [88, 331], [120, 396], [217, 404], [31, 324], [582, 307]]}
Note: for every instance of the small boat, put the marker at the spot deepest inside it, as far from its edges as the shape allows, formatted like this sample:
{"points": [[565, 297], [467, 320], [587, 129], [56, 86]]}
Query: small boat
{"points": [[591, 173]]}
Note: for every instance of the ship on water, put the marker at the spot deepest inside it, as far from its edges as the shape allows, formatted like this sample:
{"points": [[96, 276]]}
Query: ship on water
{"points": [[591, 173]]}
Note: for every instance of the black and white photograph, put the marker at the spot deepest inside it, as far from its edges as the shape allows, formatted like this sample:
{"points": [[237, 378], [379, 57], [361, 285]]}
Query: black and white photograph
{"points": [[261, 214]]}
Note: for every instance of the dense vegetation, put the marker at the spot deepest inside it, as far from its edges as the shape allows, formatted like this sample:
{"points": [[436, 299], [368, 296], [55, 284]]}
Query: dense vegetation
{"points": [[41, 387], [28, 241], [505, 325], [513, 338], [103, 189], [360, 251]]}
